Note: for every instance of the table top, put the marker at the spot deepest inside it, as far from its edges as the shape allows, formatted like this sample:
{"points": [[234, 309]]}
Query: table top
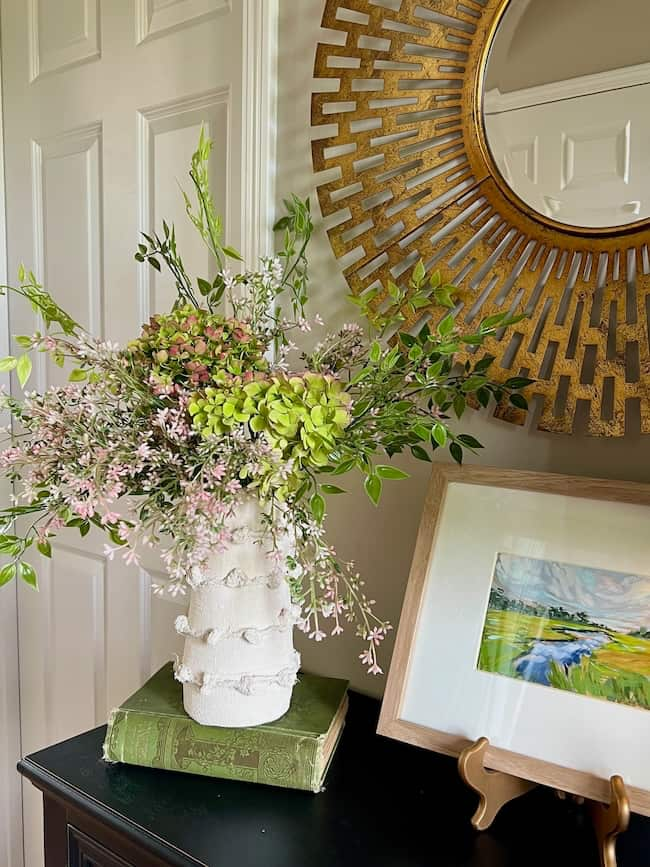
{"points": [[386, 804]]}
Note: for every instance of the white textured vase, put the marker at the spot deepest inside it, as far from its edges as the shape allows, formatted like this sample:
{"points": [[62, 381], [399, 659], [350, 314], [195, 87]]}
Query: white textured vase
{"points": [[239, 665]]}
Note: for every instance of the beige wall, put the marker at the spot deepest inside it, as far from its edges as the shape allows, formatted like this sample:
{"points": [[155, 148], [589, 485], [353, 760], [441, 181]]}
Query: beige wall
{"points": [[381, 540], [538, 42]]}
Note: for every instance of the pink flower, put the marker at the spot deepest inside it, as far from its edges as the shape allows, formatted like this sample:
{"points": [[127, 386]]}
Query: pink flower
{"points": [[130, 557], [233, 486], [83, 508], [143, 451], [317, 635], [218, 471], [10, 456]]}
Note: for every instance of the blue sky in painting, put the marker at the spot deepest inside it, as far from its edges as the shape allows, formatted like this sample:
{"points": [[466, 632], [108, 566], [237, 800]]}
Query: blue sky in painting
{"points": [[616, 599]]}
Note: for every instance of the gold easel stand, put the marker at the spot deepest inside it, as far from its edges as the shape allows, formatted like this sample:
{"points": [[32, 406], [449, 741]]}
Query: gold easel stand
{"points": [[495, 789]]}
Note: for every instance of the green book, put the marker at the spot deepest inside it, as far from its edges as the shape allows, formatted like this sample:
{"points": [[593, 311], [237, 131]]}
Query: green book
{"points": [[152, 729]]}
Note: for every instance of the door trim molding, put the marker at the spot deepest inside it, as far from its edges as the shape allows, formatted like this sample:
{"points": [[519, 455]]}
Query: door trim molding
{"points": [[11, 805], [495, 102], [259, 128], [11, 809]]}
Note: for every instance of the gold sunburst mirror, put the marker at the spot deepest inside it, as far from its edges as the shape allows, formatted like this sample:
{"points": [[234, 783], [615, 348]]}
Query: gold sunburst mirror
{"points": [[507, 144]]}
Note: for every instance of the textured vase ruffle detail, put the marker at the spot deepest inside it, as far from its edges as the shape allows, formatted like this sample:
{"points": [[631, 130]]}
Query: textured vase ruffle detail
{"points": [[239, 665], [237, 578], [247, 684], [287, 619]]}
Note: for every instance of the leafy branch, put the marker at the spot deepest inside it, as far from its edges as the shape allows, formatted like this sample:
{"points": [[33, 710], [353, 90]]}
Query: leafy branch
{"points": [[298, 228], [202, 213]]}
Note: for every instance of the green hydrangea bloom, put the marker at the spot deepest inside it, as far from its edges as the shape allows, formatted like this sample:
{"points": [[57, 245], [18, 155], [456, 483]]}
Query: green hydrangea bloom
{"points": [[301, 416]]}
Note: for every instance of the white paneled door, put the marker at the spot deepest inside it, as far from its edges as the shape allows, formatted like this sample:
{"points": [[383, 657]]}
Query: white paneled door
{"points": [[103, 102], [580, 160]]}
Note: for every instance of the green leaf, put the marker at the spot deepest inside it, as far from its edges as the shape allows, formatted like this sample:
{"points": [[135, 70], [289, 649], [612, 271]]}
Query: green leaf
{"points": [[493, 321], [439, 434], [385, 472], [470, 441], [420, 453], [205, 287], [317, 506], [456, 453], [84, 529], [446, 325], [344, 467], [459, 405], [519, 401], [513, 320], [23, 340], [116, 539], [78, 375], [8, 363], [391, 359], [434, 370], [23, 369], [419, 273], [483, 365], [443, 297], [7, 574], [518, 382], [375, 352], [373, 487], [232, 253], [332, 489], [44, 548], [154, 263], [28, 575]]}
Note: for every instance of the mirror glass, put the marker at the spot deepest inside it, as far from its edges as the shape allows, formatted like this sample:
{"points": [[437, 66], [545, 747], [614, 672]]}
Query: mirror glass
{"points": [[565, 106]]}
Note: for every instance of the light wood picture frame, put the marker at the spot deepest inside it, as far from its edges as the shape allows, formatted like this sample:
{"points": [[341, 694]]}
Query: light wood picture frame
{"points": [[627, 502]]}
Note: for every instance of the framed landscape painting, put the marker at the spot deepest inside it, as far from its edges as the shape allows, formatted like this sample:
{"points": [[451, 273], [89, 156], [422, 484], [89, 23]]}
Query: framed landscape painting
{"points": [[583, 629], [527, 621]]}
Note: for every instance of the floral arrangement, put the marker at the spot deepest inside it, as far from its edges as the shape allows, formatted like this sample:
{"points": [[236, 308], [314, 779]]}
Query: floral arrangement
{"points": [[155, 443]]}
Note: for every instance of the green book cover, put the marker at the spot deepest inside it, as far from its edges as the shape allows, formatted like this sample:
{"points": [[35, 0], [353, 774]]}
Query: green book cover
{"points": [[151, 728]]}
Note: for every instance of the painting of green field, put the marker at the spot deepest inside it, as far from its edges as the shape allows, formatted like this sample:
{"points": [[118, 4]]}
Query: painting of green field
{"points": [[569, 627]]}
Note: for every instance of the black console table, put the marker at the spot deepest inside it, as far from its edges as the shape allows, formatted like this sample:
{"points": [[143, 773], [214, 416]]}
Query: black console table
{"points": [[386, 805]]}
